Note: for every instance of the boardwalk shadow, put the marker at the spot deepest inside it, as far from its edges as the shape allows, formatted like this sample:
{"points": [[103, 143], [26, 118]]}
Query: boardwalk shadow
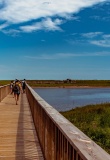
{"points": [[26, 143], [20, 148]]}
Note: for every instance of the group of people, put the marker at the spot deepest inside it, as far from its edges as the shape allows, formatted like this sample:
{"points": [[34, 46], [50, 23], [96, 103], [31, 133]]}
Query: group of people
{"points": [[16, 87]]}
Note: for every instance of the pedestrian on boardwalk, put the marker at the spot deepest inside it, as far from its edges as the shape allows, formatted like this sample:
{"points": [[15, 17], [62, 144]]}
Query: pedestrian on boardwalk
{"points": [[16, 89], [11, 87], [23, 85]]}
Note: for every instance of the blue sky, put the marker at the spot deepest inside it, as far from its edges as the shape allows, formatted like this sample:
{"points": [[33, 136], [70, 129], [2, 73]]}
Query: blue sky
{"points": [[52, 39]]}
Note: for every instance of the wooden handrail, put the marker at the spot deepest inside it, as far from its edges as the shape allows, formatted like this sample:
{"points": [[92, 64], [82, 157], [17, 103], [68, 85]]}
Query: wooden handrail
{"points": [[4, 91], [60, 139]]}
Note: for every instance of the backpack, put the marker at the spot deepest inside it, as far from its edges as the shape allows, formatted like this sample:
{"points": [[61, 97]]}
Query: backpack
{"points": [[16, 88], [23, 84]]}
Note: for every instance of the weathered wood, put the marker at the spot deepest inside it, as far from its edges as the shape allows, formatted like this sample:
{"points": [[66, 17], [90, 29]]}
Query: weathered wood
{"points": [[69, 143], [18, 139], [4, 91]]}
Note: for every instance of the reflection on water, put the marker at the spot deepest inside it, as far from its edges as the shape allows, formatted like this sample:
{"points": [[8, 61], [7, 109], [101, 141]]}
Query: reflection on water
{"points": [[67, 98]]}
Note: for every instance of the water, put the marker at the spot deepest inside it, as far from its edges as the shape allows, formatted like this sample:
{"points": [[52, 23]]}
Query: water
{"points": [[67, 98]]}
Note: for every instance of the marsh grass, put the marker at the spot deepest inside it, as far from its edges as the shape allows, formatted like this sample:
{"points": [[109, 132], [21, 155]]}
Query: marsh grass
{"points": [[94, 121], [65, 83], [4, 82]]}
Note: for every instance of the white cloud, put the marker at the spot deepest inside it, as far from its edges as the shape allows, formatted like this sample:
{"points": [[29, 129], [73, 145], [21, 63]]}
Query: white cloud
{"points": [[94, 38], [46, 24], [92, 34], [20, 11], [106, 36], [102, 43], [85, 54], [2, 26], [66, 55], [101, 18], [43, 57], [12, 32]]}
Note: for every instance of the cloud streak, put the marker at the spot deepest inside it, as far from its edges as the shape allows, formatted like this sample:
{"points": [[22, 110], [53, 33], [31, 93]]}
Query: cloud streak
{"points": [[18, 11], [2, 26], [102, 41], [92, 34], [66, 55], [95, 38]]}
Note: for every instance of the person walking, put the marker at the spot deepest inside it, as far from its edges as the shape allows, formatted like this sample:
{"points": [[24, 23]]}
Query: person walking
{"points": [[11, 87], [16, 89], [23, 85]]}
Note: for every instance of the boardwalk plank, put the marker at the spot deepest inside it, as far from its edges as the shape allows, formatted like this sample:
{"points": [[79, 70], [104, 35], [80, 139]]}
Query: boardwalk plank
{"points": [[18, 139]]}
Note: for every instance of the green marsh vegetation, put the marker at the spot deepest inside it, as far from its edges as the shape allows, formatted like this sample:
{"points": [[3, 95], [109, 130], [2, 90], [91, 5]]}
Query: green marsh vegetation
{"points": [[63, 83], [94, 121], [4, 82], [69, 83]]}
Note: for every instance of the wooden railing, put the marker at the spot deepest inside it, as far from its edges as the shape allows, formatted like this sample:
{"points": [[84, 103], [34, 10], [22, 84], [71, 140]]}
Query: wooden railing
{"points": [[60, 139], [4, 91]]}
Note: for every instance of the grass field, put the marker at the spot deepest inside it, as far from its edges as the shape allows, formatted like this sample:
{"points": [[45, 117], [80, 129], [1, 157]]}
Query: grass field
{"points": [[4, 82], [64, 83], [94, 121], [69, 83]]}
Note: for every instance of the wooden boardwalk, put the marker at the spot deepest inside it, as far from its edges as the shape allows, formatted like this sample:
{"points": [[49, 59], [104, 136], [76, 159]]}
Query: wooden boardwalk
{"points": [[18, 140]]}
